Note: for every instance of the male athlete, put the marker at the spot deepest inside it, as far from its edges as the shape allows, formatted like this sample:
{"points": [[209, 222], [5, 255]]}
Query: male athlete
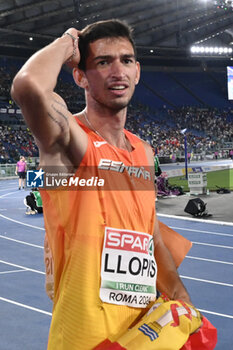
{"points": [[110, 261]]}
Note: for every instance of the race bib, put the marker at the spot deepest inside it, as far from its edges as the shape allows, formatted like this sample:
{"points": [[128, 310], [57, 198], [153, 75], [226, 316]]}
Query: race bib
{"points": [[128, 268]]}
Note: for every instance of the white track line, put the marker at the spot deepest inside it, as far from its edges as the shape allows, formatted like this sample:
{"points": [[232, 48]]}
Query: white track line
{"points": [[26, 306], [213, 245], [21, 223], [22, 267], [7, 194], [185, 277], [5, 189], [182, 276], [11, 271], [22, 242], [196, 219], [207, 281], [50, 314], [38, 246], [215, 313], [209, 260], [202, 231], [13, 197], [188, 256]]}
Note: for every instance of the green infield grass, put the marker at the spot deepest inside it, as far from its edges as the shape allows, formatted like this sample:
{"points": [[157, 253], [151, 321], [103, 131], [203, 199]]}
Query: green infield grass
{"points": [[215, 179]]}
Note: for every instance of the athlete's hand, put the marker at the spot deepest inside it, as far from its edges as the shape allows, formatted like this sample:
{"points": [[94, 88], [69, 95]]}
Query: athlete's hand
{"points": [[74, 59], [189, 304]]}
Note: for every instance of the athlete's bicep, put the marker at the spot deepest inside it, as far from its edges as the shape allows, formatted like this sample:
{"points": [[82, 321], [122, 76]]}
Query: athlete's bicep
{"points": [[48, 119], [44, 111]]}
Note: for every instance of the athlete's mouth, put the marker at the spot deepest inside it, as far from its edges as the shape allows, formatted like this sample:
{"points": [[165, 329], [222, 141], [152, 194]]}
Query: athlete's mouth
{"points": [[118, 87]]}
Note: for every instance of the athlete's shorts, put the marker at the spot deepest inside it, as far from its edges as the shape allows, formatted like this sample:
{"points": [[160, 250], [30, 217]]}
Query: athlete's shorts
{"points": [[22, 175], [166, 326]]}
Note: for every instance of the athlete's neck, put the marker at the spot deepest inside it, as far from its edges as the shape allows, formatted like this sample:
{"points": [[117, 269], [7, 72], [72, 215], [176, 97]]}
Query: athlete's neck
{"points": [[108, 125]]}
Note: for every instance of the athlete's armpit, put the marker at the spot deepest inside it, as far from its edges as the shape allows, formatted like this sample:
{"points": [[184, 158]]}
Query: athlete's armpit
{"points": [[57, 121], [57, 115]]}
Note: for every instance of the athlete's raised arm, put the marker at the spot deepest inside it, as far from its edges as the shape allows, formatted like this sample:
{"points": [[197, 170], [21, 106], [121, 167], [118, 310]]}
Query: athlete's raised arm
{"points": [[46, 112]]}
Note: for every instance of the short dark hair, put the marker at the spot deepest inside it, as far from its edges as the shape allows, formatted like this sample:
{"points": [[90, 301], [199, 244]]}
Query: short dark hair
{"points": [[113, 28]]}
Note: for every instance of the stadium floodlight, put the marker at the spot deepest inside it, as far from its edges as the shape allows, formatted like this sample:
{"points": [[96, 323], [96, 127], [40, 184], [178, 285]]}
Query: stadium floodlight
{"points": [[210, 51]]}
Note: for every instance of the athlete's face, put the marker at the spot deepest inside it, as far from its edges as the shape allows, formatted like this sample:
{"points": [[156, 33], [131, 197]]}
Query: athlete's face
{"points": [[111, 72]]}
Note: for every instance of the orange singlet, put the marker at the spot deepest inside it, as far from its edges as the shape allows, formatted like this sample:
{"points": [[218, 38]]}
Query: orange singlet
{"points": [[102, 246]]}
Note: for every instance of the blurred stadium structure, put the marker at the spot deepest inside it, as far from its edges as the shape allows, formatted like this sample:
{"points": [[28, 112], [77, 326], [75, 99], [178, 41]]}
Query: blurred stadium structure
{"points": [[177, 90], [164, 29]]}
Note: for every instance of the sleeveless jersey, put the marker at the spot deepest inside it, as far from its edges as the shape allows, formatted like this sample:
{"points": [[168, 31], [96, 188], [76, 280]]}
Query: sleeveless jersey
{"points": [[101, 243]]}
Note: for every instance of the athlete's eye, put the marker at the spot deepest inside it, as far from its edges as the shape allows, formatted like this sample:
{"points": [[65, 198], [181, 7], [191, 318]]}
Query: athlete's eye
{"points": [[128, 60], [102, 63]]}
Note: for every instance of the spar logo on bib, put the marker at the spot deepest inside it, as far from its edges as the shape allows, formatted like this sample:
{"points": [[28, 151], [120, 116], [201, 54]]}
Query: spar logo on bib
{"points": [[130, 241], [128, 268], [151, 247]]}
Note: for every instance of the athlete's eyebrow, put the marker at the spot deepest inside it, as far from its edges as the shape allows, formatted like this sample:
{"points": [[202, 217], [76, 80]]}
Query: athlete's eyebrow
{"points": [[106, 57], [102, 57]]}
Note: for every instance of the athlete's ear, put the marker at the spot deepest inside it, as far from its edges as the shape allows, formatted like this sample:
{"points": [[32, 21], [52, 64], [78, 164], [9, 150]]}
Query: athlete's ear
{"points": [[80, 78], [138, 72]]}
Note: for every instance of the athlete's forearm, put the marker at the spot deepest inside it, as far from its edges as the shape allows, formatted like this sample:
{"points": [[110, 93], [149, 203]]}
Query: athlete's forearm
{"points": [[175, 289], [44, 111], [40, 72], [168, 280]]}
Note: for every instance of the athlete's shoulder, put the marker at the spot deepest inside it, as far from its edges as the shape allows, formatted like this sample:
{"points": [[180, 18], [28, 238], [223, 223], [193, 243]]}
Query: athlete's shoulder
{"points": [[147, 144], [137, 138], [77, 120], [133, 137]]}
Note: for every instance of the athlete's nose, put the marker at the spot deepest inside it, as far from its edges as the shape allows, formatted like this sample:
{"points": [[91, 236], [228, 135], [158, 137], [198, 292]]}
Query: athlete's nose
{"points": [[118, 70]]}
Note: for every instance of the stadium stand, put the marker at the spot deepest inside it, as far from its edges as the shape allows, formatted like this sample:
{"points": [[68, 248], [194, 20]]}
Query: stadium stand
{"points": [[163, 105]]}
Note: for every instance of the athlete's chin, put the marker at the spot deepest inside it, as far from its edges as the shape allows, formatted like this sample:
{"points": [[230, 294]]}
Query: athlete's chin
{"points": [[115, 104], [118, 105]]}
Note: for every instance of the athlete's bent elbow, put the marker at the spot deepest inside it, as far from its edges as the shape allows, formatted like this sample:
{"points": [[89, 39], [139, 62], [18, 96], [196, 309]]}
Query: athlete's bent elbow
{"points": [[23, 87]]}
